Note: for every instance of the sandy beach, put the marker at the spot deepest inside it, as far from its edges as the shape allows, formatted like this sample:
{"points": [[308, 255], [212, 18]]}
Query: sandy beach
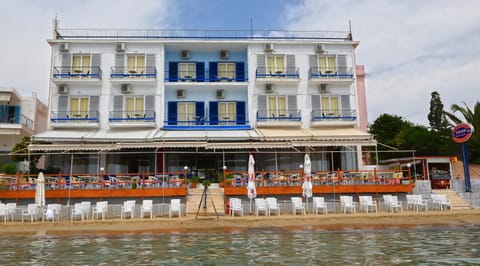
{"points": [[247, 223]]}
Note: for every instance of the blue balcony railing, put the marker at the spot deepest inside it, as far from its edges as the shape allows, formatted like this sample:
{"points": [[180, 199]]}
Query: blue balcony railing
{"points": [[286, 72], [279, 115], [219, 76], [88, 72], [195, 122], [334, 114], [133, 72], [74, 116], [132, 116], [331, 73]]}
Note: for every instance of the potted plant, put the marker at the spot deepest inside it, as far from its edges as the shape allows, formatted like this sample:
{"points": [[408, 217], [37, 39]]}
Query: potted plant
{"points": [[194, 180], [228, 179]]}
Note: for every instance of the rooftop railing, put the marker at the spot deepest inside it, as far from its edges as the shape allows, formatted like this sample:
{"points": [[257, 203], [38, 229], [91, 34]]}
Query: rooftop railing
{"points": [[200, 34]]}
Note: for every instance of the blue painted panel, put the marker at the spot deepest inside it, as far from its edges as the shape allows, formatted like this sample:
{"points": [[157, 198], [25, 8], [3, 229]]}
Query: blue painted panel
{"points": [[241, 113], [213, 70], [200, 112], [172, 113], [213, 108], [200, 71], [240, 71], [173, 71]]}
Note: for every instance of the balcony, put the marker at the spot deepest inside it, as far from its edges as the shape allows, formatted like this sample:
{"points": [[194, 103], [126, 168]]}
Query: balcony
{"points": [[90, 74], [331, 75], [74, 119], [334, 117], [14, 121], [284, 75], [207, 76], [211, 122], [144, 118], [144, 74], [279, 118]]}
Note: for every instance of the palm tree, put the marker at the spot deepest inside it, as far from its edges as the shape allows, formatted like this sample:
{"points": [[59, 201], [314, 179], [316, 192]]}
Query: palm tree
{"points": [[473, 118]]}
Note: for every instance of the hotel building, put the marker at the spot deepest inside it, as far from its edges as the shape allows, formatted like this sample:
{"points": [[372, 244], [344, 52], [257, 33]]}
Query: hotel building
{"points": [[162, 101]]}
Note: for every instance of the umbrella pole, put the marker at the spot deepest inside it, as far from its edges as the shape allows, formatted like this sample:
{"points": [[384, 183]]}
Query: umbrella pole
{"points": [[250, 206]]}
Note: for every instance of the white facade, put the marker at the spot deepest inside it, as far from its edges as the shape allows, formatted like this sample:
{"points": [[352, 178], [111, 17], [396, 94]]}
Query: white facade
{"points": [[216, 93]]}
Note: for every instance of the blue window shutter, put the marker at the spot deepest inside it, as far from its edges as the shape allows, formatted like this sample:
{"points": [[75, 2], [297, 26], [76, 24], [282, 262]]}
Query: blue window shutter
{"points": [[172, 113], [199, 112], [173, 71], [240, 71], [241, 113], [213, 106], [17, 114], [213, 71], [200, 71]]}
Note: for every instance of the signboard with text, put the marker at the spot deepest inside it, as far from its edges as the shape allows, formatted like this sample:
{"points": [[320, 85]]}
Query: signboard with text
{"points": [[462, 132]]}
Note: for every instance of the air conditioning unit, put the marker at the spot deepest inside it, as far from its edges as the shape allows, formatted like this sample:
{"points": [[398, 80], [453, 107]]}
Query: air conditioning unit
{"points": [[63, 89], [120, 46], [224, 54], [181, 94], [126, 88], [185, 54], [319, 48], [268, 47], [323, 88], [268, 88], [220, 94], [64, 47]]}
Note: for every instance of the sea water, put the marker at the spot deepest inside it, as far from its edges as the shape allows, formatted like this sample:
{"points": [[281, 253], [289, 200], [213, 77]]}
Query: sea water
{"points": [[459, 245]]}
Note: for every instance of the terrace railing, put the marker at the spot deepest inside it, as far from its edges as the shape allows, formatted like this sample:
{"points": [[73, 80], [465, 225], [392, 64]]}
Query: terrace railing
{"points": [[206, 76], [285, 72], [331, 73], [133, 72], [279, 115], [334, 114], [86, 72], [132, 116], [74, 116]]}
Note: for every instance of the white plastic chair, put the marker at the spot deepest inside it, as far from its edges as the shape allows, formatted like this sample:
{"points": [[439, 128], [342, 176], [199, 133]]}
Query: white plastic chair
{"points": [[367, 203], [147, 207], [272, 205], [31, 212], [347, 204], [3, 212], [236, 206], [297, 205], [175, 207], [128, 208], [441, 201], [11, 210], [100, 208], [392, 203], [52, 212], [78, 210], [86, 208], [260, 206], [319, 204]]}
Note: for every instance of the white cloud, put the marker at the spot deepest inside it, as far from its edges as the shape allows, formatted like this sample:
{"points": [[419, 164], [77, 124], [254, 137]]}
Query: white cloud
{"points": [[26, 26], [409, 49]]}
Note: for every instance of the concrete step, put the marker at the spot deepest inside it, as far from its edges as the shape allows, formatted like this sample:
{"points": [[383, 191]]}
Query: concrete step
{"points": [[456, 201], [215, 198]]}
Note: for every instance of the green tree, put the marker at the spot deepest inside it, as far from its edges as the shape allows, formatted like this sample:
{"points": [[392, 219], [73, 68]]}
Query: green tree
{"points": [[386, 127], [20, 153], [472, 117], [436, 116]]}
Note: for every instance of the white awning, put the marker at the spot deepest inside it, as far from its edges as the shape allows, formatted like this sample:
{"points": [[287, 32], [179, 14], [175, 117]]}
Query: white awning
{"points": [[283, 134], [71, 147], [206, 135], [62, 135], [123, 135]]}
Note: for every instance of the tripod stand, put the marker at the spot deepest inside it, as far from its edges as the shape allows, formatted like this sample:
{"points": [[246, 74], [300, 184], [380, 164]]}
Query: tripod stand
{"points": [[204, 201]]}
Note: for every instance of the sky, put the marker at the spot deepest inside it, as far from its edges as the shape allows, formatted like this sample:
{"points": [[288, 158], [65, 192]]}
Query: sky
{"points": [[409, 48]]}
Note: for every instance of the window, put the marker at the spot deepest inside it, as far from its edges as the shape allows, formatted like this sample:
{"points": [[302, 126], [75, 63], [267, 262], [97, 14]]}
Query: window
{"points": [[277, 106], [81, 64], [134, 107], [135, 64], [226, 70], [227, 111], [327, 64], [275, 64], [187, 70], [185, 112], [330, 106], [79, 107]]}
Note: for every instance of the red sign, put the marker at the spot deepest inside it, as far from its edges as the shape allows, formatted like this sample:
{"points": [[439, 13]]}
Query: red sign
{"points": [[462, 132]]}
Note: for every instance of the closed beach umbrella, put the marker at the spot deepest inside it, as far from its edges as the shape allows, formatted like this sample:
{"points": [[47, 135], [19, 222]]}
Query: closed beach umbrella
{"points": [[40, 191], [251, 191], [307, 180]]}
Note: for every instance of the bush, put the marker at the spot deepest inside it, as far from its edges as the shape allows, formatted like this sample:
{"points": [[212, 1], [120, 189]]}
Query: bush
{"points": [[10, 168]]}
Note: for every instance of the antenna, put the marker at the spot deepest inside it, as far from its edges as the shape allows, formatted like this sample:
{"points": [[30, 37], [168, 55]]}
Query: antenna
{"points": [[350, 37], [251, 28]]}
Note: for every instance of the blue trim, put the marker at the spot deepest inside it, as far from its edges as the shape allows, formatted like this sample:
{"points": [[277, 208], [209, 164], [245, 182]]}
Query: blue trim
{"points": [[187, 128]]}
